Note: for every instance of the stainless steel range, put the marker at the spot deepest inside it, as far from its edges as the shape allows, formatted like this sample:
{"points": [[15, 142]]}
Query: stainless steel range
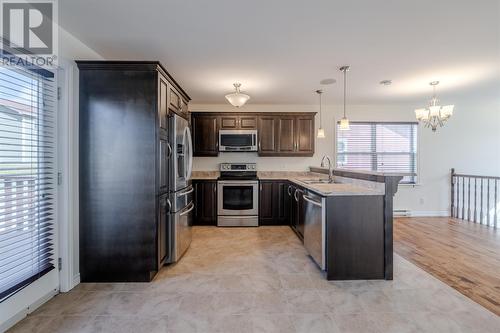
{"points": [[238, 195]]}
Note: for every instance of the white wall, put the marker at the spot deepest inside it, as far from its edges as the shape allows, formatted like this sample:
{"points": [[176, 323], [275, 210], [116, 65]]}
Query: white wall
{"points": [[469, 142]]}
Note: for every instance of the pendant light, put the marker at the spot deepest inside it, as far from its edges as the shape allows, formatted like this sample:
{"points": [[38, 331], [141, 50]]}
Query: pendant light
{"points": [[237, 98], [434, 115], [344, 122], [321, 131]]}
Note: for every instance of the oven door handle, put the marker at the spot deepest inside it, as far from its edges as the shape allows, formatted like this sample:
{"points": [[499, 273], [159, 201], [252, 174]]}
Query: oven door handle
{"points": [[232, 183], [187, 211]]}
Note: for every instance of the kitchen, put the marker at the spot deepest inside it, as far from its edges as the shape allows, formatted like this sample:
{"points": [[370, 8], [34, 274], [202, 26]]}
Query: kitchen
{"points": [[285, 169]]}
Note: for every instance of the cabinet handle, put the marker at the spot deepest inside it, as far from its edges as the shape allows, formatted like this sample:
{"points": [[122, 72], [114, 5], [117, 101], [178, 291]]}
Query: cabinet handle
{"points": [[215, 188], [261, 187], [289, 191], [259, 145], [169, 149]]}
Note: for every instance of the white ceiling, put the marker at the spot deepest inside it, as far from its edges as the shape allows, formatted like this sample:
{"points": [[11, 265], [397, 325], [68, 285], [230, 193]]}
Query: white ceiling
{"points": [[280, 49]]}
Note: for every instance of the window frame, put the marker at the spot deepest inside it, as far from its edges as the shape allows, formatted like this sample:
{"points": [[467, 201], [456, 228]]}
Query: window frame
{"points": [[417, 176]]}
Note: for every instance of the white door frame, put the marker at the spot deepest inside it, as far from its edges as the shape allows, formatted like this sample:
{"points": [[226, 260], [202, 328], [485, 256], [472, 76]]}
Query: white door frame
{"points": [[68, 174]]}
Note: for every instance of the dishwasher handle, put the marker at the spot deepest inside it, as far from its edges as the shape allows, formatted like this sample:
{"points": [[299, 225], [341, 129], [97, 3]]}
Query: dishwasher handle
{"points": [[310, 200]]}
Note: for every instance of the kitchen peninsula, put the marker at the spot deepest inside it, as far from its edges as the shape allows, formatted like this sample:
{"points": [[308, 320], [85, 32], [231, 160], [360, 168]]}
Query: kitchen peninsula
{"points": [[346, 225]]}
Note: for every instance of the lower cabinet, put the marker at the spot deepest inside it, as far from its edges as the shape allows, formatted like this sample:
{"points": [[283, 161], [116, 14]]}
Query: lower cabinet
{"points": [[273, 203], [295, 208], [205, 202]]}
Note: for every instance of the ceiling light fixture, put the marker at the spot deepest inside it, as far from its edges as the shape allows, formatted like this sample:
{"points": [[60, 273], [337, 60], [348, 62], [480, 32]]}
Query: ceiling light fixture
{"points": [[321, 131], [434, 115], [237, 98], [344, 122], [386, 82]]}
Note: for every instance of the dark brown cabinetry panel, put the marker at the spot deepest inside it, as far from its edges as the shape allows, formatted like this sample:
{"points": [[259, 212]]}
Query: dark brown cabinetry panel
{"points": [[248, 122], [286, 134], [163, 165], [205, 135], [163, 103], [304, 135], [205, 201], [163, 240], [123, 232], [280, 134], [267, 135], [230, 121], [273, 202]]}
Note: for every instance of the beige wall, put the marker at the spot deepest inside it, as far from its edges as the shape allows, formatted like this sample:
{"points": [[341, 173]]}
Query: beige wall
{"points": [[469, 142]]}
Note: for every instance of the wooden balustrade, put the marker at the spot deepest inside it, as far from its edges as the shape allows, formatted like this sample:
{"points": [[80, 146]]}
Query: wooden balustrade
{"points": [[475, 198]]}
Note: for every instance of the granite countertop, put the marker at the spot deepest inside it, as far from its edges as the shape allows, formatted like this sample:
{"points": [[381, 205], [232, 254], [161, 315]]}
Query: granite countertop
{"points": [[338, 189], [341, 187]]}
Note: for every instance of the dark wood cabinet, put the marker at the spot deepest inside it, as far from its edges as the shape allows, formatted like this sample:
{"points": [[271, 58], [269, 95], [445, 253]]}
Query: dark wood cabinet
{"points": [[123, 138], [279, 134], [273, 203], [163, 103], [295, 207], [163, 239], [267, 135], [304, 135], [231, 121], [205, 135], [205, 202], [286, 134]]}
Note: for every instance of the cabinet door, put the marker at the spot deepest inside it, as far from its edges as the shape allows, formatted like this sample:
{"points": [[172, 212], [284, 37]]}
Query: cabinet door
{"points": [[229, 122], [267, 211], [282, 205], [205, 201], [205, 136], [163, 165], [163, 242], [163, 103], [184, 108], [267, 135], [247, 122], [286, 134], [305, 135], [174, 99]]}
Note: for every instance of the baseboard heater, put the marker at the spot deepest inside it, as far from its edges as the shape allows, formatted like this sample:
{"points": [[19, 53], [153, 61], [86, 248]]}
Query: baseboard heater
{"points": [[401, 213]]}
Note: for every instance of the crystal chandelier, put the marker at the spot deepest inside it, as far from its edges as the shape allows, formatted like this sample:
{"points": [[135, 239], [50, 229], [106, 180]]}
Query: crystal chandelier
{"points": [[434, 115], [237, 98]]}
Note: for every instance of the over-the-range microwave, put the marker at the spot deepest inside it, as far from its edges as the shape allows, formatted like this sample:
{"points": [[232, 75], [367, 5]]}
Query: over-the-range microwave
{"points": [[237, 140]]}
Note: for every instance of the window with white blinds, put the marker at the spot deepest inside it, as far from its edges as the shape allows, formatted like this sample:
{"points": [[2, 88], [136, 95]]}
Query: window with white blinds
{"points": [[379, 146], [27, 176]]}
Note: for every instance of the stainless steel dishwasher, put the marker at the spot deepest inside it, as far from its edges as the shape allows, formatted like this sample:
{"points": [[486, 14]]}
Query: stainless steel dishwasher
{"points": [[315, 227]]}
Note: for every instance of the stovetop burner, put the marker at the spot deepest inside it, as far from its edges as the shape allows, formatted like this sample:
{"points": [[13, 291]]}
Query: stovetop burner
{"points": [[238, 171]]}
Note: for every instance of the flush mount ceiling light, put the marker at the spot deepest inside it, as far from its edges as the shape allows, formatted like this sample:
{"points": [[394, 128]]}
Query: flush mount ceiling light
{"points": [[237, 98], [327, 81], [385, 82], [321, 131], [344, 122], [434, 115]]}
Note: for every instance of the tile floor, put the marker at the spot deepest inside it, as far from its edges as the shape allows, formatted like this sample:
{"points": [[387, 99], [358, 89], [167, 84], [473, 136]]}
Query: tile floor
{"points": [[260, 280]]}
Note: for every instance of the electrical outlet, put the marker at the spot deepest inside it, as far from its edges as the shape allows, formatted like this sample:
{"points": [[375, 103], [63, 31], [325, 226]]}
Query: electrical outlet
{"points": [[421, 201]]}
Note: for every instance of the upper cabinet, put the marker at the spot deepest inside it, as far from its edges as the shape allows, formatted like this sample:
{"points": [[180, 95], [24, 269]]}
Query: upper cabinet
{"points": [[279, 134], [238, 122], [205, 135], [293, 134]]}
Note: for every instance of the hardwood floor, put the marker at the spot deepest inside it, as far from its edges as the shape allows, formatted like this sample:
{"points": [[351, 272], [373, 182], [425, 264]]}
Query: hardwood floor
{"points": [[462, 254]]}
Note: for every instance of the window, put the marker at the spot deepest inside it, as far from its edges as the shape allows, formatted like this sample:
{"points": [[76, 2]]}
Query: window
{"points": [[27, 179], [379, 146]]}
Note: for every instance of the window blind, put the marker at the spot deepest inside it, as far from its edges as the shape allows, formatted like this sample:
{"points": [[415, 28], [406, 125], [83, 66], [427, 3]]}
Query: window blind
{"points": [[379, 146], [27, 176]]}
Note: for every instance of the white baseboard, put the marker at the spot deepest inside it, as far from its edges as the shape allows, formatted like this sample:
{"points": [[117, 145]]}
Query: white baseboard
{"points": [[26, 311], [76, 280], [429, 213]]}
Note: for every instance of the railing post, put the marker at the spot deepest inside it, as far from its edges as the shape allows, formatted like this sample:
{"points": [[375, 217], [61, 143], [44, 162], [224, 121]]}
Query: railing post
{"points": [[452, 192]]}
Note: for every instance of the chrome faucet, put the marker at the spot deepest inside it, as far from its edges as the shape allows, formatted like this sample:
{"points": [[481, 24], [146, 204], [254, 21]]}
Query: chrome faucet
{"points": [[330, 169]]}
